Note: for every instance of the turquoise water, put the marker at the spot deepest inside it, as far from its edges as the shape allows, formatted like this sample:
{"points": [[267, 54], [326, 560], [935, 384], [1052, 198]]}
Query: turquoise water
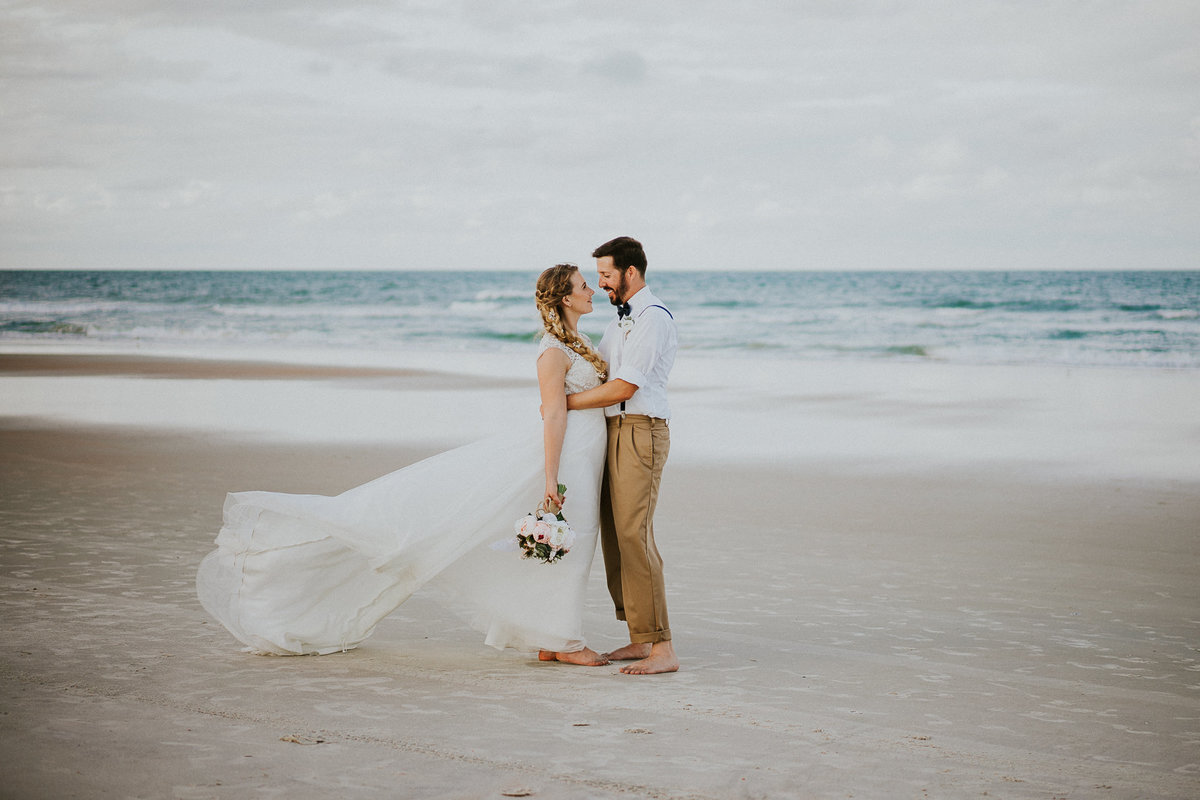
{"points": [[1136, 319]]}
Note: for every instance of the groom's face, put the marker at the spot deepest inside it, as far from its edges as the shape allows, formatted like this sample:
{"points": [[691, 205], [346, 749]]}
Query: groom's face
{"points": [[611, 280]]}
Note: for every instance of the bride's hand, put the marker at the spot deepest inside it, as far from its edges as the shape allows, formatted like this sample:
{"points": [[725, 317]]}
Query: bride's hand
{"points": [[553, 501]]}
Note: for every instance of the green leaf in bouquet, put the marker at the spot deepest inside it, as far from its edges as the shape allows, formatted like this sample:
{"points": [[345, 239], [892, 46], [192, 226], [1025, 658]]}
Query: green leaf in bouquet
{"points": [[562, 490]]}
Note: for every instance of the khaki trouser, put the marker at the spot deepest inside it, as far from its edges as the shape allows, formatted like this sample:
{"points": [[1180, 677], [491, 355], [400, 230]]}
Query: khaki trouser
{"points": [[637, 450]]}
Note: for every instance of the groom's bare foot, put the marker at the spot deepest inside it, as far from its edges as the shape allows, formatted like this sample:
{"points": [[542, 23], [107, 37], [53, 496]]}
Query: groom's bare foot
{"points": [[587, 657], [630, 652], [661, 659]]}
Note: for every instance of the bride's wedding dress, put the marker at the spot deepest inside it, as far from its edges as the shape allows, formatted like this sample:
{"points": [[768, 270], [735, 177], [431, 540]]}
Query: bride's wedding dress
{"points": [[310, 574]]}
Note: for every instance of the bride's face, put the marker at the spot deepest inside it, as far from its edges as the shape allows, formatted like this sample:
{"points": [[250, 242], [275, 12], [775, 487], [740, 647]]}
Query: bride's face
{"points": [[580, 298]]}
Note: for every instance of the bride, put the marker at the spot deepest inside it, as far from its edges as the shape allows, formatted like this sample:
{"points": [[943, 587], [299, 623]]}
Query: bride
{"points": [[310, 574]]}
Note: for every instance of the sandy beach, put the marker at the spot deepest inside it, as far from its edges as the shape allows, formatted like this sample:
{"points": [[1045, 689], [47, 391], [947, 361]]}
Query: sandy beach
{"points": [[886, 580]]}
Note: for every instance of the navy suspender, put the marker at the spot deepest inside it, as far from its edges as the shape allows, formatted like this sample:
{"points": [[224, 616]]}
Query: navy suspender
{"points": [[643, 311]]}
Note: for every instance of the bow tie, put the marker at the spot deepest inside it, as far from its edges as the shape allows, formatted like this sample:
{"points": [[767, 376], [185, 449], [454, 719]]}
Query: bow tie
{"points": [[623, 310]]}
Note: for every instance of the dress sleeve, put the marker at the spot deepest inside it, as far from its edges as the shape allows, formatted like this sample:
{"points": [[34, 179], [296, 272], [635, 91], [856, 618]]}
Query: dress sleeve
{"points": [[548, 342]]}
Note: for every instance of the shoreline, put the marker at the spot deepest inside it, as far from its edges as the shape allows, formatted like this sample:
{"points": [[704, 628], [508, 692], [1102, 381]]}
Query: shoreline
{"points": [[1059, 422], [198, 367], [143, 365]]}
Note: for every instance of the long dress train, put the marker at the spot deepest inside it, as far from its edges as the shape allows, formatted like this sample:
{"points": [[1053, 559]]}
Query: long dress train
{"points": [[312, 574]]}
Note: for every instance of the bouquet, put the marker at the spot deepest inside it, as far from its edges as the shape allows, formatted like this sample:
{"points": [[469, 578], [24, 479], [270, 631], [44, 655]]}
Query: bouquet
{"points": [[544, 534]]}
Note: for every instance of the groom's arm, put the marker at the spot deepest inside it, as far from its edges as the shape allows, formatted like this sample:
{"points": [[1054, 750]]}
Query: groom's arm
{"points": [[604, 395]]}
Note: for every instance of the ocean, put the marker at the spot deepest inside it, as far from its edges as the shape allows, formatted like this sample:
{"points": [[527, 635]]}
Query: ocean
{"points": [[1112, 319]]}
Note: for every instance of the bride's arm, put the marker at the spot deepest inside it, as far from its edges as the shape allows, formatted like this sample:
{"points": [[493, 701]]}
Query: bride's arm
{"points": [[552, 369]]}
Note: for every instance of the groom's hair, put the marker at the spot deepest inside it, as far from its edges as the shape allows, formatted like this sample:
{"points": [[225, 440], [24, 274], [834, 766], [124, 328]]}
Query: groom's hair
{"points": [[625, 251]]}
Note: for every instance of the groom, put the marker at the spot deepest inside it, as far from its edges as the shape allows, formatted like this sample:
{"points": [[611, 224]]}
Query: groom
{"points": [[639, 346]]}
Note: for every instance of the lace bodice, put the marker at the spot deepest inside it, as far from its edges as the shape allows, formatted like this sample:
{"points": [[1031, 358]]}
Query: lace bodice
{"points": [[582, 375]]}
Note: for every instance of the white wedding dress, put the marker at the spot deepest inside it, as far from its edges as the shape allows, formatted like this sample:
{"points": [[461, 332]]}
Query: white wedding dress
{"points": [[310, 574]]}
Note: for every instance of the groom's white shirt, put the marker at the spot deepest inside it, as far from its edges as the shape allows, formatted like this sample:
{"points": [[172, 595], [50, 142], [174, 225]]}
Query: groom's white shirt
{"points": [[642, 353]]}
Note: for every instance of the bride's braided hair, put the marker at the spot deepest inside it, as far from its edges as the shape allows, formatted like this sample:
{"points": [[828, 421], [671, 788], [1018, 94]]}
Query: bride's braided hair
{"points": [[553, 286]]}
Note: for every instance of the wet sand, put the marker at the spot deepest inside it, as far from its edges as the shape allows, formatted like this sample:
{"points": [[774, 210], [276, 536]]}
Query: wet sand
{"points": [[948, 630]]}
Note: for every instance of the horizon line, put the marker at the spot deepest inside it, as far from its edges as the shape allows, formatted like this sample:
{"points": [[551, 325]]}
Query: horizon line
{"points": [[656, 269]]}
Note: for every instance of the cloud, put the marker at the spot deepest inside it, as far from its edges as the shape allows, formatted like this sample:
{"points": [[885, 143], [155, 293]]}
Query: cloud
{"points": [[194, 192], [622, 67], [456, 135]]}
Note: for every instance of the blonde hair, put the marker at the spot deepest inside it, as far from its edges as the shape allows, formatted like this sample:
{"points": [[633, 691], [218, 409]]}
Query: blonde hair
{"points": [[553, 286]]}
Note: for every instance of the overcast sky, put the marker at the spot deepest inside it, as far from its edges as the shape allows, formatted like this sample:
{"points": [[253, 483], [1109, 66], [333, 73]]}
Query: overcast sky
{"points": [[771, 135]]}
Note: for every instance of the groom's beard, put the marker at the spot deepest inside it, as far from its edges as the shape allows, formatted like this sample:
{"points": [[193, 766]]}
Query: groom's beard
{"points": [[618, 296]]}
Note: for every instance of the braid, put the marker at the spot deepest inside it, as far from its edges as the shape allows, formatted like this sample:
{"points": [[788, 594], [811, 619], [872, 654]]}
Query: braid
{"points": [[553, 285]]}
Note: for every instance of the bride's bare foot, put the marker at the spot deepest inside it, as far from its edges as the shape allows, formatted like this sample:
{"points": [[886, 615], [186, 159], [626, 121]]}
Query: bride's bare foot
{"points": [[587, 657], [661, 659], [630, 652]]}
